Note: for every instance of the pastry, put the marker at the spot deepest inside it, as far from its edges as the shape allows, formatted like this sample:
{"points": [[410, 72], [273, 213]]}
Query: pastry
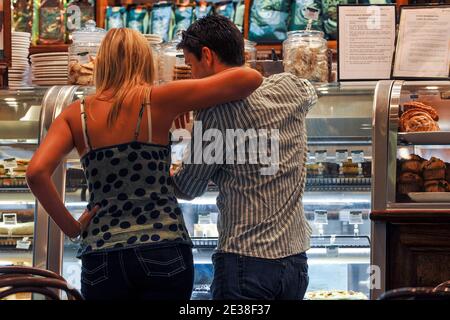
{"points": [[182, 72], [409, 182], [436, 186], [413, 164], [82, 73], [415, 120], [350, 168], [314, 169], [423, 107], [410, 177], [434, 169], [335, 295]]}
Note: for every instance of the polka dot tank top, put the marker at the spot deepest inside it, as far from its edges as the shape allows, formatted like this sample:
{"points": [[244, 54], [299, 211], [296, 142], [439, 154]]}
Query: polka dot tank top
{"points": [[131, 183]]}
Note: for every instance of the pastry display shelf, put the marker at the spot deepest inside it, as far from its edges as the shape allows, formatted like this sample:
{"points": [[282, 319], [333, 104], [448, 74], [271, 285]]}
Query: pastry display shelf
{"points": [[45, 48], [338, 181], [338, 184], [11, 241], [411, 206], [14, 189], [440, 138], [326, 188], [341, 241]]}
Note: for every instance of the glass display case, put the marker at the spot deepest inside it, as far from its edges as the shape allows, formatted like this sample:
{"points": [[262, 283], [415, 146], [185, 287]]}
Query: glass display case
{"points": [[19, 131], [412, 154], [337, 199]]}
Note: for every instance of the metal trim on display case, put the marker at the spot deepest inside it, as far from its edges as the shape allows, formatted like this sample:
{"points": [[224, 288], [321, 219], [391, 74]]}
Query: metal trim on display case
{"points": [[380, 129], [379, 179], [49, 239], [394, 108]]}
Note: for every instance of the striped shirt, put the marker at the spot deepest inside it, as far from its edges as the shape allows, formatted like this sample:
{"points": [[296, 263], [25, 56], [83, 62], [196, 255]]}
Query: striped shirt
{"points": [[259, 215]]}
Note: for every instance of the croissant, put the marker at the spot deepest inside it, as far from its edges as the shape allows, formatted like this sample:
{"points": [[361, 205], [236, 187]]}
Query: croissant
{"points": [[415, 120], [423, 107]]}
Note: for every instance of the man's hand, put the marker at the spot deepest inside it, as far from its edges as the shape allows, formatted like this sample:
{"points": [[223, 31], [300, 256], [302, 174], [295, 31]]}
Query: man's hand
{"points": [[182, 121], [86, 218]]}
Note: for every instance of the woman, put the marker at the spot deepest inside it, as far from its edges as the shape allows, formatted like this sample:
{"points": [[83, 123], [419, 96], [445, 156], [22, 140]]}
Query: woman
{"points": [[136, 246]]}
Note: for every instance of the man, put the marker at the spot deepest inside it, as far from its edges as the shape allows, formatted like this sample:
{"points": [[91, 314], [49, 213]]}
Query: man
{"points": [[263, 233]]}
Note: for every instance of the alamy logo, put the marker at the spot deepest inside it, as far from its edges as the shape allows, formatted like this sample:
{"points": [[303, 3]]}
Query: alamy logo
{"points": [[235, 146], [73, 17]]}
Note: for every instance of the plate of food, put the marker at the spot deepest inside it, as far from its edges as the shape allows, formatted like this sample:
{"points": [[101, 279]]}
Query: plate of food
{"points": [[335, 295]]}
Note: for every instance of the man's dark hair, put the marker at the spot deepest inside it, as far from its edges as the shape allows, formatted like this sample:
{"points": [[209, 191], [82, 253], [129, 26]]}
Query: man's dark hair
{"points": [[217, 33]]}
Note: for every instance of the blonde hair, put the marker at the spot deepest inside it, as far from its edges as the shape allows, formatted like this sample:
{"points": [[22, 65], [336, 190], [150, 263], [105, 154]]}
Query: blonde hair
{"points": [[124, 64]]}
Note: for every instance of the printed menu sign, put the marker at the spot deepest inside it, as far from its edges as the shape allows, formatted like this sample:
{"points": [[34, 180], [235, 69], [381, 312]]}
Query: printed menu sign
{"points": [[366, 42], [423, 45]]}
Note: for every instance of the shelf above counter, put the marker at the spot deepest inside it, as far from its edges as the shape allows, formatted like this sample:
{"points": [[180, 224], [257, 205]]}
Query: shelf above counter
{"points": [[316, 242], [45, 48], [440, 138]]}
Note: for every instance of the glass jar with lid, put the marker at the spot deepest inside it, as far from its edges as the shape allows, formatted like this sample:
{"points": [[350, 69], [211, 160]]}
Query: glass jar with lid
{"points": [[155, 42], [172, 65], [82, 52], [305, 54], [249, 50]]}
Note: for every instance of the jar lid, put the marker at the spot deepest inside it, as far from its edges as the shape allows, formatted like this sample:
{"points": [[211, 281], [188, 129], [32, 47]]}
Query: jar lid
{"points": [[90, 33], [306, 33], [249, 44]]}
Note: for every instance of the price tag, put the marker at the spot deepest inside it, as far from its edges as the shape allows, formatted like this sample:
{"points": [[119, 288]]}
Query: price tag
{"points": [[321, 156], [445, 95], [10, 163], [321, 216], [332, 251], [23, 244], [341, 155], [10, 218], [355, 217], [312, 13], [357, 156], [180, 60]]}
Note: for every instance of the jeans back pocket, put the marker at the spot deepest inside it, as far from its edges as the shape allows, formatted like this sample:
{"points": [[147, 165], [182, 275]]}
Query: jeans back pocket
{"points": [[94, 268], [160, 262]]}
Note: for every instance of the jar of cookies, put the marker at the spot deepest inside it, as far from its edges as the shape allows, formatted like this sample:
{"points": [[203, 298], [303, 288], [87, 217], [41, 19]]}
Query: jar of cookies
{"points": [[305, 54], [82, 52], [172, 65]]}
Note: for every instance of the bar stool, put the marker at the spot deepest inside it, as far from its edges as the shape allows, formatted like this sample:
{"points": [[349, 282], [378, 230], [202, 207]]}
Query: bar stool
{"points": [[440, 292], [18, 279]]}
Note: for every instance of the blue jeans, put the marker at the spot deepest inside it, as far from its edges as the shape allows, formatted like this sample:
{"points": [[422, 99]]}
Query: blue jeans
{"points": [[142, 273], [239, 277]]}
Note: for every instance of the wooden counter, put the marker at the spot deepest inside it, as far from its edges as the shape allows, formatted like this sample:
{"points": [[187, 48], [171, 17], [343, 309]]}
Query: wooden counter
{"points": [[417, 247]]}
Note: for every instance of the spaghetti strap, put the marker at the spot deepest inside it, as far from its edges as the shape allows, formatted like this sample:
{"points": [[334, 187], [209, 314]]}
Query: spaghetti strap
{"points": [[149, 114], [86, 139], [138, 124]]}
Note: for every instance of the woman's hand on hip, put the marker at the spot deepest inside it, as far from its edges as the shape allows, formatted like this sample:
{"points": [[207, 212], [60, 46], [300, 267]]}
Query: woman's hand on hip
{"points": [[86, 218]]}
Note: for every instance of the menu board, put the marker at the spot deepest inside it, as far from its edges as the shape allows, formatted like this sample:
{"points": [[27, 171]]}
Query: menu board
{"points": [[423, 44], [366, 42]]}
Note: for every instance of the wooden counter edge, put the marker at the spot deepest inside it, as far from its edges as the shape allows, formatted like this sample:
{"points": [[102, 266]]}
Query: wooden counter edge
{"points": [[411, 215]]}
